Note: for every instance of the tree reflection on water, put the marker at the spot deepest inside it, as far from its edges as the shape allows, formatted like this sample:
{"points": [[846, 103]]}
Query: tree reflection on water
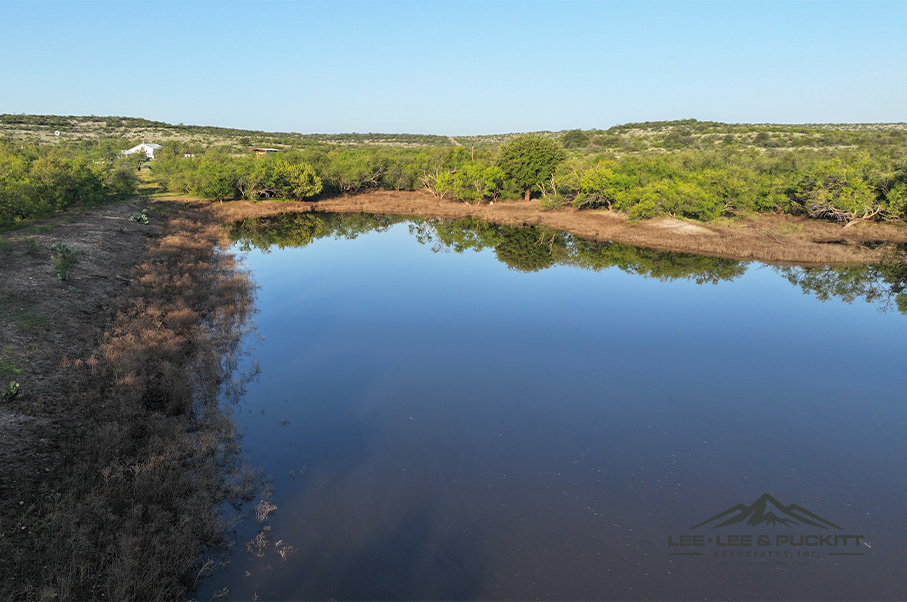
{"points": [[533, 248]]}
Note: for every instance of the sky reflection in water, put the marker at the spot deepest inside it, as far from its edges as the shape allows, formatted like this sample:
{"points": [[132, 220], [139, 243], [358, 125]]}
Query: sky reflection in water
{"points": [[441, 425]]}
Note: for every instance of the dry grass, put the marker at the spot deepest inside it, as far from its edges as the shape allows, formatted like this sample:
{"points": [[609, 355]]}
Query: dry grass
{"points": [[150, 455]]}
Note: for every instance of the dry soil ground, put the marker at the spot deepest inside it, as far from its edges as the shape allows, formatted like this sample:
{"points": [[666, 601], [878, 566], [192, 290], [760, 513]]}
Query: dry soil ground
{"points": [[48, 326]]}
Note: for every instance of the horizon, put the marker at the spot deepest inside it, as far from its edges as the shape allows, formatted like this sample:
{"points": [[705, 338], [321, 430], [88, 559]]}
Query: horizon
{"points": [[486, 134], [452, 68]]}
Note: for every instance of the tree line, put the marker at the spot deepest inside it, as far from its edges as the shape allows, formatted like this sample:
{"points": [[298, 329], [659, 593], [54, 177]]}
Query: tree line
{"points": [[691, 169], [844, 185], [38, 180]]}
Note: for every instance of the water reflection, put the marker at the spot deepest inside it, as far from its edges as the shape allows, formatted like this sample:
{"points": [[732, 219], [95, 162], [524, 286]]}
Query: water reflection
{"points": [[301, 229], [882, 284], [533, 248], [441, 426]]}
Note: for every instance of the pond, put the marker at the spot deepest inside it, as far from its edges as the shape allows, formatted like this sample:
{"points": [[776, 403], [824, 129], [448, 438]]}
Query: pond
{"points": [[458, 410]]}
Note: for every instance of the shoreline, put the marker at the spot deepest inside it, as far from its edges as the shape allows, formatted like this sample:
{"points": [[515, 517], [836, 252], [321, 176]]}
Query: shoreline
{"points": [[119, 452], [109, 361], [777, 239]]}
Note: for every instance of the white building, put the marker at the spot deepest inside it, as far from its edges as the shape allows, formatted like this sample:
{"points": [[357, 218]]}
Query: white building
{"points": [[147, 148]]}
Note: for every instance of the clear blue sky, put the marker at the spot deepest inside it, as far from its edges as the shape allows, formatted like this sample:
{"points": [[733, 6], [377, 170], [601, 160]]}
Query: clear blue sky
{"points": [[454, 68]]}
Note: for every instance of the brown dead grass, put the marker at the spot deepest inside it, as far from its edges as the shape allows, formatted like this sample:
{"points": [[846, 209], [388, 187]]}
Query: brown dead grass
{"points": [[768, 238], [123, 499]]}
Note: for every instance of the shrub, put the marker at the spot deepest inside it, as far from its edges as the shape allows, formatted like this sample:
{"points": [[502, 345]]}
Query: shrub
{"points": [[833, 190], [643, 209], [11, 391], [32, 246], [65, 259], [550, 202], [122, 181], [472, 182]]}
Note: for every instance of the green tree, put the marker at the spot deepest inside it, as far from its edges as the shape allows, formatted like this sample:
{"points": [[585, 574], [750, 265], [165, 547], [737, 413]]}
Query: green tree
{"points": [[489, 182], [601, 186], [473, 182], [214, 178], [896, 199], [122, 180], [834, 190], [529, 160], [295, 181], [574, 139]]}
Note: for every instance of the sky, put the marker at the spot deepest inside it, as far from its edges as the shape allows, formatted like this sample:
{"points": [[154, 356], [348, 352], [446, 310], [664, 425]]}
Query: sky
{"points": [[455, 67]]}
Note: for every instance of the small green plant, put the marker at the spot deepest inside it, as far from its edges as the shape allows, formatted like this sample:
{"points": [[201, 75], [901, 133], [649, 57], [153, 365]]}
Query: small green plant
{"points": [[65, 259], [32, 246], [550, 202], [790, 229], [8, 361], [11, 391], [141, 218], [42, 229], [155, 209]]}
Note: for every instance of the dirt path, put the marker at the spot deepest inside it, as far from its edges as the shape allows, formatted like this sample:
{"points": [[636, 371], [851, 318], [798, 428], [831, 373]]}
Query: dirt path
{"points": [[769, 238]]}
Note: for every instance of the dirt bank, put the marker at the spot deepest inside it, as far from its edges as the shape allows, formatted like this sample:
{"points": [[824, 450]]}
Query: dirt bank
{"points": [[116, 456], [769, 238]]}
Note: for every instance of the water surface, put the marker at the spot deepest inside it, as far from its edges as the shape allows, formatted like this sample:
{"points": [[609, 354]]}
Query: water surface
{"points": [[454, 410]]}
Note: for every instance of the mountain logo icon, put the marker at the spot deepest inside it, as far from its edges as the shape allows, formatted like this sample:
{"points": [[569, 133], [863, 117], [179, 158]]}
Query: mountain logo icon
{"points": [[767, 511]]}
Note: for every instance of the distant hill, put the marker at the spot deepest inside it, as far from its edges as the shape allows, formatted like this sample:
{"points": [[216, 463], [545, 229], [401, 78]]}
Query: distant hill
{"points": [[75, 127], [630, 137]]}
